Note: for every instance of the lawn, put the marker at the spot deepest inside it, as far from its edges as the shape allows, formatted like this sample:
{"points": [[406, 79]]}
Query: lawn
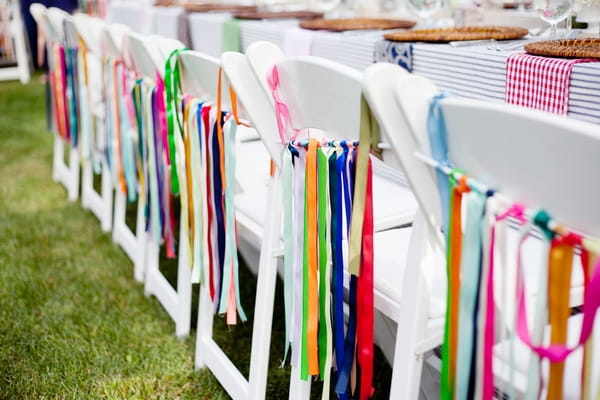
{"points": [[73, 323]]}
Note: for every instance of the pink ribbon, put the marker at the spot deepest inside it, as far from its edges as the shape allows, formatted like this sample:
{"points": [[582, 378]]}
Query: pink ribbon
{"points": [[559, 352], [516, 211], [282, 113]]}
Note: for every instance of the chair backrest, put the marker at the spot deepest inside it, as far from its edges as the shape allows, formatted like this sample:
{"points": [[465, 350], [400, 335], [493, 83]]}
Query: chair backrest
{"points": [[37, 11], [318, 93], [534, 157], [199, 76], [53, 24], [253, 98], [90, 30], [71, 32], [145, 55], [167, 45], [111, 39], [531, 156], [380, 82]]}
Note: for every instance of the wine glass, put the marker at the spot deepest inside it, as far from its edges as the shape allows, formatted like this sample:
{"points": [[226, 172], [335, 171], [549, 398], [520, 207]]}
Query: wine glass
{"points": [[553, 12], [426, 9]]}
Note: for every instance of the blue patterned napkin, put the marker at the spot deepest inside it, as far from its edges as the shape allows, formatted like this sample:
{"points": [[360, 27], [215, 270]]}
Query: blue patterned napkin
{"points": [[399, 53]]}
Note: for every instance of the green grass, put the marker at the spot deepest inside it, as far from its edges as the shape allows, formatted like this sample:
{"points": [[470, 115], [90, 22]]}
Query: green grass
{"points": [[73, 323]]}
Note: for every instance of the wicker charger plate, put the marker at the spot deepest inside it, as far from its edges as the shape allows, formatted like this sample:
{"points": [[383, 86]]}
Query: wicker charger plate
{"points": [[456, 34], [574, 48], [353, 24], [278, 14], [207, 7]]}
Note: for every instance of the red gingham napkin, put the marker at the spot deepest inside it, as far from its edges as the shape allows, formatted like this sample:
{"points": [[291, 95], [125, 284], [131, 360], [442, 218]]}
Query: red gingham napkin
{"points": [[539, 82]]}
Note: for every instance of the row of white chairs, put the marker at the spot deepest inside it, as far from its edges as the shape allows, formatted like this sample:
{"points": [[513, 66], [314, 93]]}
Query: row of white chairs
{"points": [[409, 274]]}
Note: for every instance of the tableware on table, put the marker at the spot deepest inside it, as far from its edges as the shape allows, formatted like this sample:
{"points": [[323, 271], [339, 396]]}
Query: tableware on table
{"points": [[553, 12], [258, 15], [568, 48], [217, 7], [426, 9], [443, 35], [351, 24]]}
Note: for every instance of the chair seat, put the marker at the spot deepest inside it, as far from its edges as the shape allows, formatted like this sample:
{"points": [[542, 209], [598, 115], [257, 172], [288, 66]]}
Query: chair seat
{"points": [[393, 204], [572, 377], [252, 170], [531, 252], [391, 250]]}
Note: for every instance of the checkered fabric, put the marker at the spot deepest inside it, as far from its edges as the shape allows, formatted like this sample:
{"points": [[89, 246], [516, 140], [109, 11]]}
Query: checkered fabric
{"points": [[539, 82]]}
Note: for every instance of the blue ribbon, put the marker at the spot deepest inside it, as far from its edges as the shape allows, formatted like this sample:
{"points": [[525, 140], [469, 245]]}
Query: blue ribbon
{"points": [[337, 260], [346, 164], [436, 130], [71, 70]]}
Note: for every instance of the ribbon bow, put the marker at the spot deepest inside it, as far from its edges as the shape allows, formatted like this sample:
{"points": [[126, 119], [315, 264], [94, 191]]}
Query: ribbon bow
{"points": [[282, 113]]}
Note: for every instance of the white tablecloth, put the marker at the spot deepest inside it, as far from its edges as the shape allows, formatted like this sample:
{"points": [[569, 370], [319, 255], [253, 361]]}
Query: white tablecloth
{"points": [[478, 72], [145, 19], [474, 71]]}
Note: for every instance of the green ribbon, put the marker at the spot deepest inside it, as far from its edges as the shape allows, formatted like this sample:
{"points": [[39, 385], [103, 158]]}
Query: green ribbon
{"points": [[231, 36], [172, 91], [137, 103], [369, 137], [304, 346], [325, 339], [445, 385]]}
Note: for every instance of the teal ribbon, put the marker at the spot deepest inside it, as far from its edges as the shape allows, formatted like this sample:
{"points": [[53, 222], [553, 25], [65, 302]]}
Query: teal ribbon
{"points": [[85, 121], [469, 290], [231, 258], [127, 150], [541, 219], [436, 129], [153, 168], [288, 244], [195, 129]]}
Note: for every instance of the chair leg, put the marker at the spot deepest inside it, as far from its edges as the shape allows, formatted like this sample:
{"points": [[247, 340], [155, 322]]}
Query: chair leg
{"points": [[139, 265], [58, 156], [265, 295], [413, 315], [87, 185], [73, 177], [152, 255], [184, 288], [119, 213], [205, 325], [107, 198]]}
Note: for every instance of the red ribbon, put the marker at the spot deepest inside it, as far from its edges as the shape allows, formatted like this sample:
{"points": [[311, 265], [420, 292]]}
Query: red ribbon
{"points": [[365, 304]]}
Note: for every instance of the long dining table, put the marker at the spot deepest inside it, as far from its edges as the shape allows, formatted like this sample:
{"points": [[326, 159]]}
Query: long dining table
{"points": [[475, 71]]}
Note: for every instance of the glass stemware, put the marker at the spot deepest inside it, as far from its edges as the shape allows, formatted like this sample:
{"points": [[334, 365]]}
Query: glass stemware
{"points": [[426, 9], [553, 12]]}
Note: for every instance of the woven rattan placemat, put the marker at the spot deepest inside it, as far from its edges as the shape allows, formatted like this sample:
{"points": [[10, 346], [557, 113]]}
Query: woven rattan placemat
{"points": [[206, 7], [278, 15], [352, 24], [569, 48], [455, 34]]}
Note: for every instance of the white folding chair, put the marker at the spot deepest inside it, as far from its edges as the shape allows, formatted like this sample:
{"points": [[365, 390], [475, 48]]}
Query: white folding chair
{"points": [[324, 95], [149, 57], [93, 143], [480, 136], [66, 174], [133, 243], [199, 77], [12, 24]]}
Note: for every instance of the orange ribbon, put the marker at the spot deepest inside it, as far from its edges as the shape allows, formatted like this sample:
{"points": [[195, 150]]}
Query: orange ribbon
{"points": [[559, 282]]}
